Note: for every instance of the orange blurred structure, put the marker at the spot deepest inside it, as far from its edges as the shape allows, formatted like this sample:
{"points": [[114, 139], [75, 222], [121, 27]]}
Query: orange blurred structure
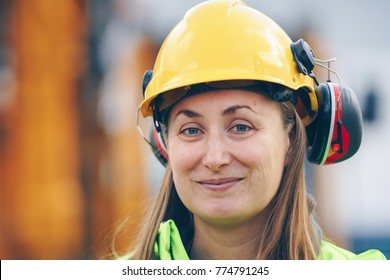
{"points": [[41, 200], [48, 210]]}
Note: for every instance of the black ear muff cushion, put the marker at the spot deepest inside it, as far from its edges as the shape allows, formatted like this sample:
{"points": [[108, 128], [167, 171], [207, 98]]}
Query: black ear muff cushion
{"points": [[319, 131]]}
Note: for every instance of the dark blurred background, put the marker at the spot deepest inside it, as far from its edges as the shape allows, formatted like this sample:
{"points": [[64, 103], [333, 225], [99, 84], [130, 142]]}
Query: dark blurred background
{"points": [[73, 167]]}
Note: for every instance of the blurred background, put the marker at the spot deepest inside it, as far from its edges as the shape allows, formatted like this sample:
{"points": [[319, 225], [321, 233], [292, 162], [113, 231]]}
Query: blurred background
{"points": [[73, 167]]}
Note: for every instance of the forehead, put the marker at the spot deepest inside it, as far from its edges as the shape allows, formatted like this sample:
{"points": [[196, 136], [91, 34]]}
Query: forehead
{"points": [[223, 98]]}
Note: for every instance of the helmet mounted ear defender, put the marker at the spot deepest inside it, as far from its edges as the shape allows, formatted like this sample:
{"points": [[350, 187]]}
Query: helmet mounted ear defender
{"points": [[226, 44]]}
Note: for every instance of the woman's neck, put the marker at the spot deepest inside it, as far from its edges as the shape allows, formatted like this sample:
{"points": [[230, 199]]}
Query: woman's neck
{"points": [[223, 242]]}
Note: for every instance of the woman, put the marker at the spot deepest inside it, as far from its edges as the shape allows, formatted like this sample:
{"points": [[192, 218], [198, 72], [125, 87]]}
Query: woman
{"points": [[236, 104]]}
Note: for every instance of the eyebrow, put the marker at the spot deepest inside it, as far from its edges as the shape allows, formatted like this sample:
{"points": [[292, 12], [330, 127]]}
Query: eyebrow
{"points": [[228, 111], [231, 110], [188, 113]]}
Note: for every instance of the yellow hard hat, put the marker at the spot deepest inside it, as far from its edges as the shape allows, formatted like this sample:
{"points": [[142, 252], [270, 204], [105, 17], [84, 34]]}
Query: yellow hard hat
{"points": [[225, 41]]}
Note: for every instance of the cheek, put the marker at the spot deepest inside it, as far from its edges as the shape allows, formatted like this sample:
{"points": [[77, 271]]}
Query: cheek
{"points": [[182, 162], [182, 158], [267, 156]]}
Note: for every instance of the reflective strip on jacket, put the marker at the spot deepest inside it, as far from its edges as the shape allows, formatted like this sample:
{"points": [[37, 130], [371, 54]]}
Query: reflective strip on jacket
{"points": [[169, 246]]}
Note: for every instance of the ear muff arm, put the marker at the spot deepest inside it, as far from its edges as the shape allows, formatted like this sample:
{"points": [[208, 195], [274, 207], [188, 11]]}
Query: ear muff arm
{"points": [[157, 119], [156, 114], [146, 80], [304, 57]]}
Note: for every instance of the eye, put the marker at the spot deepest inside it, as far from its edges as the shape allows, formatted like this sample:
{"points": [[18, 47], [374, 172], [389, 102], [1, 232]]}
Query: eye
{"points": [[191, 131], [240, 128]]}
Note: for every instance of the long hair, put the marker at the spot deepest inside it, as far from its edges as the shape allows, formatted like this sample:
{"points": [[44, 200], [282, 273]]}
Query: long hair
{"points": [[289, 233]]}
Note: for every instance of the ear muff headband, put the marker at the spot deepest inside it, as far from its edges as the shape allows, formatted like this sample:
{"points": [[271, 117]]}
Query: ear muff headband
{"points": [[333, 137]]}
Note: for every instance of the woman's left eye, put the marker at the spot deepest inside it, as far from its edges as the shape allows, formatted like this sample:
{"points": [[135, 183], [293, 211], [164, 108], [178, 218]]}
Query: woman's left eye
{"points": [[241, 128], [191, 131]]}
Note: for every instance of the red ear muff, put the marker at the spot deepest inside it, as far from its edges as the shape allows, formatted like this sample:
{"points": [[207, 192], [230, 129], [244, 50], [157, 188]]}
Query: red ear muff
{"points": [[336, 133], [348, 127], [158, 146]]}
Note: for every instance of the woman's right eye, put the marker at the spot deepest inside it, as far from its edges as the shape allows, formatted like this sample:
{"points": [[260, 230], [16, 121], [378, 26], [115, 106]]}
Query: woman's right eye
{"points": [[191, 131]]}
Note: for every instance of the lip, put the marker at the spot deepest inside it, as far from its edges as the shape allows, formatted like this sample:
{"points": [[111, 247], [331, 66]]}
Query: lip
{"points": [[220, 184]]}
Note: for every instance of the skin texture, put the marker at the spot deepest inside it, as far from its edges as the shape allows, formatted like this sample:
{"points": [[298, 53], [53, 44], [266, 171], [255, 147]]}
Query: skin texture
{"points": [[227, 150]]}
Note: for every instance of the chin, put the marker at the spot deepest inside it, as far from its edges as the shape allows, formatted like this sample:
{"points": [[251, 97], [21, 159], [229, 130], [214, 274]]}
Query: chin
{"points": [[223, 217]]}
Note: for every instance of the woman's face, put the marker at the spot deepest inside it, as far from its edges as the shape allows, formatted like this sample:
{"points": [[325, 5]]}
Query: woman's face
{"points": [[227, 150]]}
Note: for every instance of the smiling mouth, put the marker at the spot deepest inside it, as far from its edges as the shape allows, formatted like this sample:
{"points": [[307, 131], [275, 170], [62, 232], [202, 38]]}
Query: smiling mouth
{"points": [[219, 184]]}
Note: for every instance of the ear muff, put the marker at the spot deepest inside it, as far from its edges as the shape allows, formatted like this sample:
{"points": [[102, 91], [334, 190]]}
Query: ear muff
{"points": [[352, 121], [158, 146], [336, 133], [155, 137]]}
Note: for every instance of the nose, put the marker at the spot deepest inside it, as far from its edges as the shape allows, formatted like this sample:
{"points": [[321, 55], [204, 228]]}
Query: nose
{"points": [[217, 153]]}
